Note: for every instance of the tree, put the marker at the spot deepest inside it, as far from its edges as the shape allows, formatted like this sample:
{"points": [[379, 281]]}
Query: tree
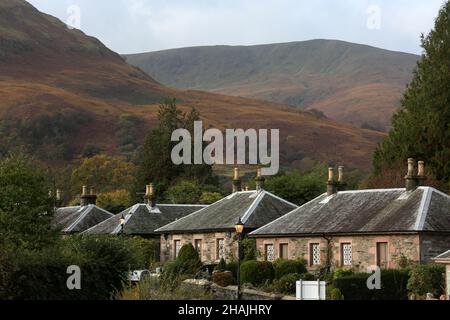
{"points": [[26, 210], [187, 192], [155, 163], [103, 172], [114, 201], [421, 128]]}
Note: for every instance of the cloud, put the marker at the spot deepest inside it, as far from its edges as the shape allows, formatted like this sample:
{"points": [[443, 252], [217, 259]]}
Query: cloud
{"points": [[146, 25]]}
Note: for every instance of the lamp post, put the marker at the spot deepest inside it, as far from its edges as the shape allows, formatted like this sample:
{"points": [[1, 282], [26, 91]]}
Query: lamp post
{"points": [[239, 226], [122, 223]]}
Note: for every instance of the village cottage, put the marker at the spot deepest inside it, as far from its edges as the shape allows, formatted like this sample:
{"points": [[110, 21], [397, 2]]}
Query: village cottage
{"points": [[143, 219], [358, 229], [212, 229], [444, 258], [77, 219]]}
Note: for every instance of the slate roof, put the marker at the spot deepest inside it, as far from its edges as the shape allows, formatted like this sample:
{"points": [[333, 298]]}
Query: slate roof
{"points": [[445, 257], [366, 211], [142, 219], [255, 208], [79, 218]]}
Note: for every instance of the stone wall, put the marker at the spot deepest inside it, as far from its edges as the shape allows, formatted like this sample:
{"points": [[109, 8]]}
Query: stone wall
{"points": [[208, 253], [230, 292], [364, 249], [432, 245]]}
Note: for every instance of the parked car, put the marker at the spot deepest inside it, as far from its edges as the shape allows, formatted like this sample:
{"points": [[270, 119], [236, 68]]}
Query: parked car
{"points": [[138, 275]]}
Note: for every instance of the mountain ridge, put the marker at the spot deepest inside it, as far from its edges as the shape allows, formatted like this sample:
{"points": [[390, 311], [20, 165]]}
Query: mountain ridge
{"points": [[305, 74], [61, 91]]}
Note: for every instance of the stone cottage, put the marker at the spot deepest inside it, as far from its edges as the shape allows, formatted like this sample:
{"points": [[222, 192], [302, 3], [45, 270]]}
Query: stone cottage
{"points": [[77, 219], [362, 228], [212, 229], [143, 219]]}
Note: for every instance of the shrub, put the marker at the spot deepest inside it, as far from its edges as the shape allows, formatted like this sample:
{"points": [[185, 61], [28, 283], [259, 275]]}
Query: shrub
{"points": [[147, 251], [287, 283], [189, 259], [426, 279], [334, 293], [249, 249], [223, 279], [285, 267], [221, 266], [233, 268], [257, 272], [393, 286], [340, 272]]}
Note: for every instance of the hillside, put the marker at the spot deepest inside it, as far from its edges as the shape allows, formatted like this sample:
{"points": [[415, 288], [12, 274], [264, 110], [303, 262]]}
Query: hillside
{"points": [[353, 83], [61, 91]]}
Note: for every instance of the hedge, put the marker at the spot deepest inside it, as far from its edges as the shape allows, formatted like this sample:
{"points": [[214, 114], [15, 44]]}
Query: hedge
{"points": [[393, 286], [285, 267], [257, 272]]}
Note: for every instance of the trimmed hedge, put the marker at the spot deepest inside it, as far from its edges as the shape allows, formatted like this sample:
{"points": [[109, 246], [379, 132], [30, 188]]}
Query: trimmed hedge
{"points": [[257, 272], [288, 283], [286, 267], [393, 286]]}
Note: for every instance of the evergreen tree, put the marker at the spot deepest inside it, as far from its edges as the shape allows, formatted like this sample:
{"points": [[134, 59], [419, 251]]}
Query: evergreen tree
{"points": [[421, 128], [155, 163]]}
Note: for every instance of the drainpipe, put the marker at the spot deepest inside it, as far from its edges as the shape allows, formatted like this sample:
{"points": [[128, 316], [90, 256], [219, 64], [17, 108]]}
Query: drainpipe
{"points": [[329, 253]]}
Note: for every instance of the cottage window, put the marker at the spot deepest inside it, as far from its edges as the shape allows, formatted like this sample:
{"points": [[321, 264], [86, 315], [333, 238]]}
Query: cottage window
{"points": [[284, 254], [177, 247], [382, 255], [269, 252], [198, 246], [346, 254], [314, 254], [220, 249]]}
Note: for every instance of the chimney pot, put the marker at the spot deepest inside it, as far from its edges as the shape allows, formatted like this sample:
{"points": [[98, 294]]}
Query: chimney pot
{"points": [[150, 197], [260, 180], [411, 179], [341, 174], [421, 170], [58, 194], [330, 174], [237, 184], [84, 191], [411, 164]]}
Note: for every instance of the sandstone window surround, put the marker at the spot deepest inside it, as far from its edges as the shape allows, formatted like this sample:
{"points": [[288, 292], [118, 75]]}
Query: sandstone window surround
{"points": [[220, 249], [198, 246], [177, 247], [346, 254], [314, 254], [284, 251], [269, 252]]}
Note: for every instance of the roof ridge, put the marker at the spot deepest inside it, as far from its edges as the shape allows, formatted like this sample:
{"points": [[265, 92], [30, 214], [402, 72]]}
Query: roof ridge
{"points": [[281, 199], [290, 212], [80, 218], [432, 189], [191, 214], [253, 206]]}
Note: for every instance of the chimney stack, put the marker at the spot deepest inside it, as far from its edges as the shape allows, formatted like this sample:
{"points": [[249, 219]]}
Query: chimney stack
{"points": [[260, 180], [58, 201], [342, 185], [150, 197], [421, 175], [237, 183], [411, 178], [331, 184], [88, 198]]}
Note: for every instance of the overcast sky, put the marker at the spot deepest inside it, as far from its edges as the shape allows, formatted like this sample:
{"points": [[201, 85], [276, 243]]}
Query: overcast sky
{"points": [[131, 26]]}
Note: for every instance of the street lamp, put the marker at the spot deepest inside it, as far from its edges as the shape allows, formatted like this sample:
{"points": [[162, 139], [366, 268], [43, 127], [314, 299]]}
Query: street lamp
{"points": [[122, 223], [239, 226]]}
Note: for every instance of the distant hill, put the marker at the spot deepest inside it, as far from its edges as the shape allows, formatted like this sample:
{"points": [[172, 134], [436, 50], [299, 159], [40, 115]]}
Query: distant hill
{"points": [[349, 82], [62, 91]]}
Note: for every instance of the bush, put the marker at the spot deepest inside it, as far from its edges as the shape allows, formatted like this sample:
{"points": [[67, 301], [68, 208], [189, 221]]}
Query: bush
{"points": [[221, 266], [249, 249], [285, 267], [257, 272], [393, 286], [426, 279], [340, 272], [42, 274], [147, 251], [223, 279], [287, 284], [233, 268], [187, 264], [334, 293]]}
